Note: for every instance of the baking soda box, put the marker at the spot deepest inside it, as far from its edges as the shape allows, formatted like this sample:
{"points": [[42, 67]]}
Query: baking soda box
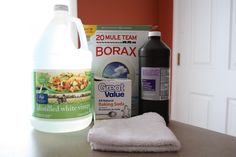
{"points": [[112, 98], [115, 53]]}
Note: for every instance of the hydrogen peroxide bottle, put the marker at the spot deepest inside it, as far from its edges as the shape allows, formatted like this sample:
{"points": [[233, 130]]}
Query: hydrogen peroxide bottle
{"points": [[62, 79], [154, 59]]}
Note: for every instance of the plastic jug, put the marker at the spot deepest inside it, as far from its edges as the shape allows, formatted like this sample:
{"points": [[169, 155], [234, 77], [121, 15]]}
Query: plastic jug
{"points": [[62, 79]]}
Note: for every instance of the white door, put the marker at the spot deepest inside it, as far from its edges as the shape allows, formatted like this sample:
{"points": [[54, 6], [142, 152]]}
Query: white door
{"points": [[204, 82]]}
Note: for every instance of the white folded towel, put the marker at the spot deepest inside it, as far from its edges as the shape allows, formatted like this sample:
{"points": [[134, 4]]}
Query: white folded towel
{"points": [[144, 133]]}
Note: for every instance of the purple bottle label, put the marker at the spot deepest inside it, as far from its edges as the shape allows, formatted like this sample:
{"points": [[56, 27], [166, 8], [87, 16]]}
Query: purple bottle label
{"points": [[154, 83]]}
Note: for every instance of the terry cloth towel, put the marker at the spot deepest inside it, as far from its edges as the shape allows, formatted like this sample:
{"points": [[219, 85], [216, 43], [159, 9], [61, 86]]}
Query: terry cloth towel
{"points": [[144, 133]]}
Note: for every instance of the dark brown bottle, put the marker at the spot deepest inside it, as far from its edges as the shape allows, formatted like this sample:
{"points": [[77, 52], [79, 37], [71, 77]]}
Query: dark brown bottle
{"points": [[154, 59]]}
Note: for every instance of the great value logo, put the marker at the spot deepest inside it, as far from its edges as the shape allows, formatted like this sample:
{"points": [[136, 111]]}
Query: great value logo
{"points": [[112, 90]]}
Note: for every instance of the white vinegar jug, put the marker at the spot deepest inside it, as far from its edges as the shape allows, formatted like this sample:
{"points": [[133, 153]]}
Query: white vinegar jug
{"points": [[62, 77]]}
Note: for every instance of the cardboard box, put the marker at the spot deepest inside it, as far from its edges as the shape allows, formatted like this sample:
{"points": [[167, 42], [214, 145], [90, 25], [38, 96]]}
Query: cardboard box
{"points": [[115, 53], [112, 98]]}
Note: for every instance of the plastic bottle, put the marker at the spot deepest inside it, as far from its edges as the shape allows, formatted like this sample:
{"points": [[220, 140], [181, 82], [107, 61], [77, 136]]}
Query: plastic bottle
{"points": [[62, 77], [154, 76]]}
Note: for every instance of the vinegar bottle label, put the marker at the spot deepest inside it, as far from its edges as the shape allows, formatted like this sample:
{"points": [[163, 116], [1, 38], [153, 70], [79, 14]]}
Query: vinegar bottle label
{"points": [[60, 94]]}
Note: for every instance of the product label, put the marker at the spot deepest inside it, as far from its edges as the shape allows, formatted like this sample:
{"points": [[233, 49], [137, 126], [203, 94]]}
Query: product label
{"points": [[113, 98], [154, 83], [62, 94]]}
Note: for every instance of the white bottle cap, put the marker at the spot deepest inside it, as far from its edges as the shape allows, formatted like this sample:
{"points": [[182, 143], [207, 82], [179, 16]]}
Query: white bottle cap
{"points": [[154, 33], [61, 7]]}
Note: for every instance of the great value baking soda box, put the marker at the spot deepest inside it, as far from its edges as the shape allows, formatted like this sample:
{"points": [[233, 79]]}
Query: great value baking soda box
{"points": [[112, 98], [115, 53]]}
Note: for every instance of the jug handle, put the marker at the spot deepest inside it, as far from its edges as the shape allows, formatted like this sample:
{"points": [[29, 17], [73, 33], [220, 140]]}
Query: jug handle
{"points": [[82, 35]]}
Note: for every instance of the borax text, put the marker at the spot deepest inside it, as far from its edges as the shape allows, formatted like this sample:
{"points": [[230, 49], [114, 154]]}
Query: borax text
{"points": [[115, 50], [110, 50]]}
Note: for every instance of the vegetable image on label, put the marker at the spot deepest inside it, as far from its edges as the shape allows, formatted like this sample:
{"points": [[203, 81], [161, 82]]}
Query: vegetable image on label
{"points": [[116, 70], [68, 82], [62, 94]]}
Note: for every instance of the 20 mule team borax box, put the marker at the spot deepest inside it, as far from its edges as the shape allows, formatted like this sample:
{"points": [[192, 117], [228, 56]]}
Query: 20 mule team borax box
{"points": [[115, 53]]}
